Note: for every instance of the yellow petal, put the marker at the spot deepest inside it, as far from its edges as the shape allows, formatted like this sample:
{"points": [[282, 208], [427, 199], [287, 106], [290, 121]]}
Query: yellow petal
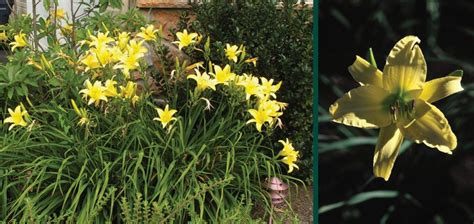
{"points": [[405, 68], [440, 88], [362, 107], [386, 150], [365, 73], [431, 128]]}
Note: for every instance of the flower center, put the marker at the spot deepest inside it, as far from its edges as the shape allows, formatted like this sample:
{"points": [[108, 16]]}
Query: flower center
{"points": [[401, 110]]}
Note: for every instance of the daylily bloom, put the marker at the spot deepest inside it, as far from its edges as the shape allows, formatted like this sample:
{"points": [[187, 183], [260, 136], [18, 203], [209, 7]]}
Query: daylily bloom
{"points": [[20, 41], [251, 85], [268, 88], [399, 103], [136, 48], [101, 40], [59, 14], [260, 116], [16, 117], [91, 62], [223, 75], [122, 41], [289, 154], [165, 116], [95, 92], [148, 33], [129, 92], [185, 39], [231, 52], [110, 90], [203, 80]]}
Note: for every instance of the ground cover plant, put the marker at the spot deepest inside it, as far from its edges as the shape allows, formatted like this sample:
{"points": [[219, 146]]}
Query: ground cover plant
{"points": [[102, 125]]}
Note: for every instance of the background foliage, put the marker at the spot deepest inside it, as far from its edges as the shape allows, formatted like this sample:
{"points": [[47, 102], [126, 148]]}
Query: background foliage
{"points": [[425, 186], [281, 38]]}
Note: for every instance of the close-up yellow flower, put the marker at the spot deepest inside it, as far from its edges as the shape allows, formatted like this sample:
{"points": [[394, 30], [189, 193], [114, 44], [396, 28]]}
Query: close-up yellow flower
{"points": [[128, 63], [90, 61], [289, 154], [110, 90], [100, 40], [203, 80], [123, 39], [185, 39], [20, 41], [95, 92], [223, 76], [399, 102], [231, 52], [148, 33], [260, 116], [136, 48], [251, 85], [165, 116], [268, 88], [16, 117]]}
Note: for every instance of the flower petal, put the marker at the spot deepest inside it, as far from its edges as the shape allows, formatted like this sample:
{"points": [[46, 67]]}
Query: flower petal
{"points": [[386, 150], [365, 73], [431, 128], [440, 88], [362, 107], [405, 68]]}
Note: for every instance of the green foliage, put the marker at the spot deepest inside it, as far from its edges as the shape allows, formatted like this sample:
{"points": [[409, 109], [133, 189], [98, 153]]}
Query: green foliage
{"points": [[281, 38]]}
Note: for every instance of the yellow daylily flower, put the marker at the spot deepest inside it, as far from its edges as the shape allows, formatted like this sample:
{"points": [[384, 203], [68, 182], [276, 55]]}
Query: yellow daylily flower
{"points": [[95, 92], [16, 117], [110, 90], [203, 80], [127, 63], [20, 41], [268, 88], [260, 116], [251, 85], [252, 60], [122, 41], [398, 101], [231, 52], [129, 92], [289, 154], [59, 14], [103, 54], [165, 116], [136, 48], [100, 40], [223, 75], [148, 33], [185, 39], [91, 62]]}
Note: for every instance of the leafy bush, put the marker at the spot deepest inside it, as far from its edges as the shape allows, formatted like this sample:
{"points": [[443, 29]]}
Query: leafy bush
{"points": [[281, 38], [91, 134]]}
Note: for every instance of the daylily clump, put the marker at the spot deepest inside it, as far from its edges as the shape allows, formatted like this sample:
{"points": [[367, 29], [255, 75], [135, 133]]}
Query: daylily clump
{"points": [[399, 102]]}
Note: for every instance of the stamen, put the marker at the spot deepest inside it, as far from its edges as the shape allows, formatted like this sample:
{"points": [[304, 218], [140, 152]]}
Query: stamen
{"points": [[402, 110]]}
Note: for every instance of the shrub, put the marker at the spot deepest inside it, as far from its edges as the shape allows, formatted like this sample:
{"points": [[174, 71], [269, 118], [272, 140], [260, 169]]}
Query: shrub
{"points": [[281, 38], [90, 134]]}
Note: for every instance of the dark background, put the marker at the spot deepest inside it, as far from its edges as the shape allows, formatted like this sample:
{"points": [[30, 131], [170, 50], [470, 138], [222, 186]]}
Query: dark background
{"points": [[429, 186]]}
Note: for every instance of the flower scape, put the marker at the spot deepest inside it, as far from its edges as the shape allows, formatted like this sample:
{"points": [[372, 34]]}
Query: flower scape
{"points": [[97, 126], [399, 102]]}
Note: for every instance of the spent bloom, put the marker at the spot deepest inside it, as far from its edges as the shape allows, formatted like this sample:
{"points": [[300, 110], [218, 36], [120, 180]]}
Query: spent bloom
{"points": [[399, 102], [185, 39], [16, 117], [231, 52], [165, 116], [289, 154], [95, 92]]}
